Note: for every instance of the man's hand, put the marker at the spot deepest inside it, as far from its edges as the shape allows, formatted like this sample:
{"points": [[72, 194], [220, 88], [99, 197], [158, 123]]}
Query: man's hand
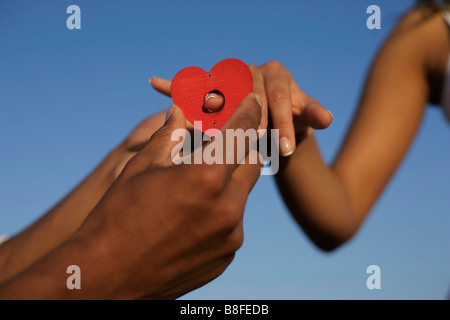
{"points": [[160, 231]]}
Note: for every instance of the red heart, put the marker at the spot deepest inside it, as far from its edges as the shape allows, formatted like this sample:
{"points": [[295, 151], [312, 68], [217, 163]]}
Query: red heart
{"points": [[231, 77]]}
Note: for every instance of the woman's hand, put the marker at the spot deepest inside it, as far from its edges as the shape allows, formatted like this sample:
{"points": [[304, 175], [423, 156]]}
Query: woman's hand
{"points": [[284, 104]]}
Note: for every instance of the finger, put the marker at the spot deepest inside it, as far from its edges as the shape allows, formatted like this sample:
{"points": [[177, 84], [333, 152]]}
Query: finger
{"points": [[258, 87], [214, 102], [313, 115], [280, 108], [299, 99], [161, 85], [307, 111], [162, 145]]}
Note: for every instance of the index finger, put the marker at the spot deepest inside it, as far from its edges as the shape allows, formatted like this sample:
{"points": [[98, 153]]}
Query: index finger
{"points": [[161, 85], [278, 88]]}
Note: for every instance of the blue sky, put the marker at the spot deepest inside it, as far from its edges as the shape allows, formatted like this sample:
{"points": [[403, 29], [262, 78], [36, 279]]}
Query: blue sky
{"points": [[67, 97]]}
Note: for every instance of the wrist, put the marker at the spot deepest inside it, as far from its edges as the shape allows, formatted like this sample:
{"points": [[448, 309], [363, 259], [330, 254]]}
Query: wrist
{"points": [[49, 277]]}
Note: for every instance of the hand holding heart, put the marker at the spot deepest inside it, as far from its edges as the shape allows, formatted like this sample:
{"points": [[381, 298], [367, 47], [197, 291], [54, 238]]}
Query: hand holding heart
{"points": [[283, 102], [160, 231]]}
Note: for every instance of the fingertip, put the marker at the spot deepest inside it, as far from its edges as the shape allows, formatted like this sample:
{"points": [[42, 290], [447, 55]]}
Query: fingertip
{"points": [[286, 147], [327, 120], [331, 116], [173, 112], [213, 102], [176, 109], [320, 118], [154, 80], [153, 83]]}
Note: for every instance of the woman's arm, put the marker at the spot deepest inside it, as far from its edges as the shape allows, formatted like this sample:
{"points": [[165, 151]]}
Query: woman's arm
{"points": [[331, 202], [63, 220]]}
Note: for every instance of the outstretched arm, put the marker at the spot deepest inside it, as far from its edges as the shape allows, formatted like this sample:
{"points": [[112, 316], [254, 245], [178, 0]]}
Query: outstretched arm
{"points": [[331, 202]]}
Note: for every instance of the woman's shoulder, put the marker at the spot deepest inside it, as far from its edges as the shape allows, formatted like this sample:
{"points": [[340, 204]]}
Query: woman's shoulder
{"points": [[419, 17], [424, 34]]}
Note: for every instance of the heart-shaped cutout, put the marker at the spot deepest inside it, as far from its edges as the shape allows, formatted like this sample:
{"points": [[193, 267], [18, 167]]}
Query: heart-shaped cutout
{"points": [[231, 77]]}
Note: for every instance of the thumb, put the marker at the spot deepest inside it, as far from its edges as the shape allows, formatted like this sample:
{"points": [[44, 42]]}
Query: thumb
{"points": [[163, 142]]}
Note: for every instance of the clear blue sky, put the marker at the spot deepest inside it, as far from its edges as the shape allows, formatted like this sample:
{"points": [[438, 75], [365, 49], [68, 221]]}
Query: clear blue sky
{"points": [[68, 97]]}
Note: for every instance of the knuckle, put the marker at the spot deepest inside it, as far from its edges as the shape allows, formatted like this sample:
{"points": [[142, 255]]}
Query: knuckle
{"points": [[226, 261], [236, 239], [223, 218], [298, 105], [283, 123], [220, 225], [233, 208], [231, 215], [273, 64], [233, 242], [258, 76], [207, 180], [252, 67], [278, 95]]}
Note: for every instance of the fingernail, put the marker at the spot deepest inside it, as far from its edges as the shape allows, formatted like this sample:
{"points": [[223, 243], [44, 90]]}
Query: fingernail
{"points": [[330, 114], [210, 96], [169, 113], [150, 80], [285, 147], [258, 99]]}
